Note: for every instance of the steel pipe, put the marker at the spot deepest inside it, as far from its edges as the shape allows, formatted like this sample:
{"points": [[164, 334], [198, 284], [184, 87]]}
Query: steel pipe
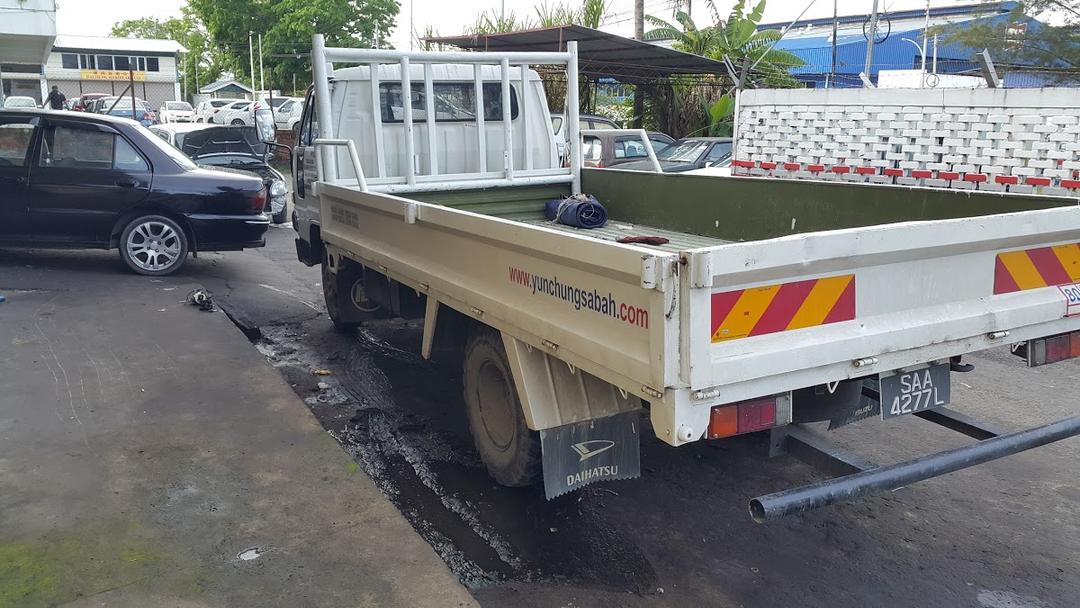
{"points": [[887, 478]]}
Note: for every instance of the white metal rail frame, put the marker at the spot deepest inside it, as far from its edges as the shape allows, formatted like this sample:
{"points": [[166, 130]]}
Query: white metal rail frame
{"points": [[322, 67]]}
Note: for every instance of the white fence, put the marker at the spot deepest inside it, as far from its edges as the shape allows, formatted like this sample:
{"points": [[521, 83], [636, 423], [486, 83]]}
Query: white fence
{"points": [[1016, 140]]}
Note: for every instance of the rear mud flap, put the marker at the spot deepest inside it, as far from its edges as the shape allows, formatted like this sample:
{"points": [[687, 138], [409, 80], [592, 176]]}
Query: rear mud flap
{"points": [[581, 453]]}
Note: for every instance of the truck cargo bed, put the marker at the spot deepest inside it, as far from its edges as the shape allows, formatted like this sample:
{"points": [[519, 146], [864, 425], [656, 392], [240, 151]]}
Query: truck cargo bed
{"points": [[615, 230]]}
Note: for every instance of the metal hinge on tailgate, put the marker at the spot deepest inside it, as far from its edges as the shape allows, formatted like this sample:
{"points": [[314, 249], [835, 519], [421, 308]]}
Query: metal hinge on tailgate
{"points": [[700, 268]]}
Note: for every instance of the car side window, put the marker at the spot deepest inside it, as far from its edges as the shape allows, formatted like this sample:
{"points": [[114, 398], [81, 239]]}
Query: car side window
{"points": [[630, 148], [72, 148], [717, 152], [592, 148], [15, 137]]}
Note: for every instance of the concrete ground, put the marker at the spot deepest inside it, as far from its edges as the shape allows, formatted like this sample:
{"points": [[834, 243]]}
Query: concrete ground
{"points": [[150, 457], [1001, 535]]}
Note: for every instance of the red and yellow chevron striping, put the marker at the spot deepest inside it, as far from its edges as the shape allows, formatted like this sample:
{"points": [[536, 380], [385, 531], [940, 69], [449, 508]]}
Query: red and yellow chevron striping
{"points": [[774, 308], [1039, 267]]}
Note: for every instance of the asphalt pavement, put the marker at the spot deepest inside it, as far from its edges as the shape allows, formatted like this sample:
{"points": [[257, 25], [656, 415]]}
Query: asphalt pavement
{"points": [[1002, 535]]}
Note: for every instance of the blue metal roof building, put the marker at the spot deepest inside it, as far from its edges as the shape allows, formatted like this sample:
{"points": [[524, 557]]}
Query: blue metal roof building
{"points": [[900, 36]]}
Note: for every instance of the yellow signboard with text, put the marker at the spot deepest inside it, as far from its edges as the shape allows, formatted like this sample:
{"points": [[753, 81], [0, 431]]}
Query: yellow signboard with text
{"points": [[123, 75]]}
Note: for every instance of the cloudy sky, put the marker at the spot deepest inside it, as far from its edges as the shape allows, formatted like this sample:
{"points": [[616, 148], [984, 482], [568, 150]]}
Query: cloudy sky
{"points": [[96, 17]]}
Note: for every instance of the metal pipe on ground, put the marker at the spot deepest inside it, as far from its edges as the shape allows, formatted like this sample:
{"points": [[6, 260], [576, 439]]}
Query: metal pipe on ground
{"points": [[887, 478]]}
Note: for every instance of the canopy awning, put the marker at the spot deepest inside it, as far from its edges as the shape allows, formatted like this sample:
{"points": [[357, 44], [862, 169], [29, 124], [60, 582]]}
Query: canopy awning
{"points": [[599, 54]]}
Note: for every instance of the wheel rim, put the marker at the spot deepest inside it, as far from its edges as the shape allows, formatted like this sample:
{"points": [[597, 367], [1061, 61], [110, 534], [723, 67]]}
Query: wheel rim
{"points": [[495, 400], [153, 246]]}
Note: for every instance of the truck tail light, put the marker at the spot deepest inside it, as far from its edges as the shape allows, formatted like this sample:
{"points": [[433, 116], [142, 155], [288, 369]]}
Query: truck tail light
{"points": [[258, 201], [1050, 349], [742, 417]]}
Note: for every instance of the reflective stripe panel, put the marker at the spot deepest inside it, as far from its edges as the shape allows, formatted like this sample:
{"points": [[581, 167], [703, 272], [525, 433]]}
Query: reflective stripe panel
{"points": [[1038, 267], [769, 309]]}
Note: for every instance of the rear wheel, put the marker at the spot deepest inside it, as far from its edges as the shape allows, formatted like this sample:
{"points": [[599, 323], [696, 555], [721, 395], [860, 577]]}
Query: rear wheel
{"points": [[237, 122], [153, 245], [509, 448]]}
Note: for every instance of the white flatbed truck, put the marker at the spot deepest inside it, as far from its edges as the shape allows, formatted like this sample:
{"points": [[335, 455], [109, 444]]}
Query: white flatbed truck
{"points": [[759, 305]]}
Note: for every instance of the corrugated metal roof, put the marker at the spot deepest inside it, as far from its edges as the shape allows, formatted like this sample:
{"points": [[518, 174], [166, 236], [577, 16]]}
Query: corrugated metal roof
{"points": [[599, 53], [107, 43]]}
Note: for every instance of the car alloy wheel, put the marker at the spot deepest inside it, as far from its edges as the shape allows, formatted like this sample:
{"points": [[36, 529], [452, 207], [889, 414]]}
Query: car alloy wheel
{"points": [[154, 245]]}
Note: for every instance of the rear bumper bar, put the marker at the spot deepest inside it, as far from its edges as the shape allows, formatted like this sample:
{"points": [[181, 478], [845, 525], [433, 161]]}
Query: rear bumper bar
{"points": [[891, 477]]}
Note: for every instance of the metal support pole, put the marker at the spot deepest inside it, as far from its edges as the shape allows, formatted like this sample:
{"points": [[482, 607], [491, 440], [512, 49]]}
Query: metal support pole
{"points": [[406, 106], [835, 20], [481, 128], [870, 40], [886, 478], [925, 33], [376, 119], [508, 127], [262, 74], [429, 111], [321, 77], [523, 96], [251, 59], [573, 125]]}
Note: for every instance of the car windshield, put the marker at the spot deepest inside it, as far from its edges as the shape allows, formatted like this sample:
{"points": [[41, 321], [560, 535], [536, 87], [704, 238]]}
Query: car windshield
{"points": [[217, 103], [683, 151], [182, 106], [175, 155], [19, 102]]}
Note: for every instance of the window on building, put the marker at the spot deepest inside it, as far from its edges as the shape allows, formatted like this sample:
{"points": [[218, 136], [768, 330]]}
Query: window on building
{"points": [[121, 63], [69, 61], [142, 63], [454, 101], [105, 62], [87, 62], [152, 64]]}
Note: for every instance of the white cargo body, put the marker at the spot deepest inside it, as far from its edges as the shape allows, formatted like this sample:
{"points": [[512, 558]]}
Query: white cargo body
{"points": [[590, 325]]}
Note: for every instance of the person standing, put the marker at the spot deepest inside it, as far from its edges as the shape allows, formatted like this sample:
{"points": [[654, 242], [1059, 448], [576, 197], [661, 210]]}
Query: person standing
{"points": [[56, 99]]}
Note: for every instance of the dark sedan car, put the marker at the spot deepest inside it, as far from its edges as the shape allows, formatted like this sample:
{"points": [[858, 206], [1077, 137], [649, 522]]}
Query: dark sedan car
{"points": [[687, 154], [94, 181]]}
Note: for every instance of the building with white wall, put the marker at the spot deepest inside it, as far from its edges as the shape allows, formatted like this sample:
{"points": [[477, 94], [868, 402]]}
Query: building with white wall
{"points": [[90, 64], [27, 30]]}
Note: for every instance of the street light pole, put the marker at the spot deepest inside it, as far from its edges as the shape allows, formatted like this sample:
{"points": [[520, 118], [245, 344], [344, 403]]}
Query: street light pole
{"points": [[251, 58], [870, 40]]}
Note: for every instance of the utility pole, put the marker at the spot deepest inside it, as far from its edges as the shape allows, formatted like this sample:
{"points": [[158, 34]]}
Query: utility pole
{"points": [[870, 40], [832, 71], [262, 74], [251, 58], [639, 34]]}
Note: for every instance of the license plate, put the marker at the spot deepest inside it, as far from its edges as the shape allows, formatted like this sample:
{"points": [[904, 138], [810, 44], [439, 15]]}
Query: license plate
{"points": [[914, 391]]}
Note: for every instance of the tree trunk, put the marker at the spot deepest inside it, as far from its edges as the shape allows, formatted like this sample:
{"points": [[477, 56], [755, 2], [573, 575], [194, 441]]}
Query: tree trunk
{"points": [[639, 34]]}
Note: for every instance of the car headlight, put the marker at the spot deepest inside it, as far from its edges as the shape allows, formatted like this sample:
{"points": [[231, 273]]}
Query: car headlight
{"points": [[277, 188]]}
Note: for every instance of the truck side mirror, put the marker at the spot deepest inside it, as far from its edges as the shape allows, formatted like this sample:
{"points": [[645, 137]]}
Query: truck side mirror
{"points": [[264, 123]]}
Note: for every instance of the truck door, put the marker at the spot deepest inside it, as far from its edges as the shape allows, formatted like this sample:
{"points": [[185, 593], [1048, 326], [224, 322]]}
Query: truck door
{"points": [[16, 137], [302, 153]]}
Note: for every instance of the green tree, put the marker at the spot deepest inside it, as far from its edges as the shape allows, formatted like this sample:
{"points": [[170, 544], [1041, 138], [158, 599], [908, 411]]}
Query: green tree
{"points": [[201, 64], [287, 27], [735, 40], [1019, 40]]}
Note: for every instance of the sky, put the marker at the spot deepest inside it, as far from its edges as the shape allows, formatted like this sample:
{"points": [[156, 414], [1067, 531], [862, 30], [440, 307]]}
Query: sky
{"points": [[96, 17]]}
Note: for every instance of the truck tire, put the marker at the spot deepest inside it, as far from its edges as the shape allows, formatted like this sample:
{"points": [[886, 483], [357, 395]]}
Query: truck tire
{"points": [[508, 447], [338, 288]]}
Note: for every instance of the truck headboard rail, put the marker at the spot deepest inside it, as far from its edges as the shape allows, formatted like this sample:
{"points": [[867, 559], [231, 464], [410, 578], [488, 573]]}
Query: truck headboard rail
{"points": [[323, 71]]}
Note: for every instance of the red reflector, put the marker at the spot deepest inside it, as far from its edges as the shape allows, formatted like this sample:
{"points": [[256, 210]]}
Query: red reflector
{"points": [[1052, 349], [744, 417]]}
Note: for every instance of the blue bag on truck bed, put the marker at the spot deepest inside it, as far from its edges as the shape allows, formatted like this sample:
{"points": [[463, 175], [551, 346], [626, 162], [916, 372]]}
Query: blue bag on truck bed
{"points": [[580, 211]]}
